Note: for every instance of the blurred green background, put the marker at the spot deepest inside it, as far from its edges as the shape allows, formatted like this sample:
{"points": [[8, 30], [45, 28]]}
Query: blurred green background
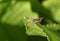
{"points": [[12, 13]]}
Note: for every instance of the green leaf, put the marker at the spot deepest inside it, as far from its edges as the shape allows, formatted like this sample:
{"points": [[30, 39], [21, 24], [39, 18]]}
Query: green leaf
{"points": [[16, 11], [54, 7], [33, 29], [11, 19], [52, 34], [38, 29]]}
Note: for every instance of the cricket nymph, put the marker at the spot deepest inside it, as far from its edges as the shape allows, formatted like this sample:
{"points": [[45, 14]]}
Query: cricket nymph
{"points": [[36, 21]]}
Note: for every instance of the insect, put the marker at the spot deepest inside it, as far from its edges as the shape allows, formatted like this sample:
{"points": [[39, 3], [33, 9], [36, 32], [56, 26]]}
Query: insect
{"points": [[36, 21]]}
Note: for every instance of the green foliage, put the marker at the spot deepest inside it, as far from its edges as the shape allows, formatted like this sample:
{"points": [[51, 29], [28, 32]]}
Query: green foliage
{"points": [[11, 20], [33, 29], [38, 29], [12, 13], [54, 7]]}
